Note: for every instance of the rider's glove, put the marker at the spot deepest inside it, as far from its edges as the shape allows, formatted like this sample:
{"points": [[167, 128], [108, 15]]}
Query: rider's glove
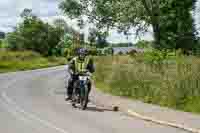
{"points": [[89, 74]]}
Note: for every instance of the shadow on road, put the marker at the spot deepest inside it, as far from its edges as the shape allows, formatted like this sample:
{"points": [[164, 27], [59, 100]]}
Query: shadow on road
{"points": [[89, 108], [98, 109]]}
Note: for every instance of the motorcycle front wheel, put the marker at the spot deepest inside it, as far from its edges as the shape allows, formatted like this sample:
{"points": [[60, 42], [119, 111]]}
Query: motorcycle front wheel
{"points": [[75, 97], [84, 98]]}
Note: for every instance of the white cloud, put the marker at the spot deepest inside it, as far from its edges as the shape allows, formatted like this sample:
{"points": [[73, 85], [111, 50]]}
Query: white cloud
{"points": [[10, 10]]}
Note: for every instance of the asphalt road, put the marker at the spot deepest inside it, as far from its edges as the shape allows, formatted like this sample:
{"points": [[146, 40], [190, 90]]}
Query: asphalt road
{"points": [[33, 102]]}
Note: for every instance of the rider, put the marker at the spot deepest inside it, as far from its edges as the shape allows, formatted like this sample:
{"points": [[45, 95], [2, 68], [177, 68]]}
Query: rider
{"points": [[79, 64]]}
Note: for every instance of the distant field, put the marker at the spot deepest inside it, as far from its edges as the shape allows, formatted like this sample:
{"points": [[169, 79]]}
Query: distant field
{"points": [[15, 61], [175, 84]]}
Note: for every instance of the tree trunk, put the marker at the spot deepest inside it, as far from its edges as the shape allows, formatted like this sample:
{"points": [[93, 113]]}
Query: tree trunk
{"points": [[153, 10], [156, 32]]}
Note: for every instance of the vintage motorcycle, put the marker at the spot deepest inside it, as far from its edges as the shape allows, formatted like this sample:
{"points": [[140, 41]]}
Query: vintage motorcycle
{"points": [[81, 91]]}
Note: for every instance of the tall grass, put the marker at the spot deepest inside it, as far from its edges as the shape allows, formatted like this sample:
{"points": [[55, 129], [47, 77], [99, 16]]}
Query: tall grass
{"points": [[14, 61], [174, 84]]}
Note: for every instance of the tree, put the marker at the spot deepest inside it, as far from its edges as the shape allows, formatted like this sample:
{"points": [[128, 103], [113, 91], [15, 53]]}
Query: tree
{"points": [[101, 41], [26, 13], [62, 24], [177, 25], [1, 43], [98, 38], [2, 35], [139, 14], [118, 13], [82, 39], [92, 36], [33, 34], [16, 41]]}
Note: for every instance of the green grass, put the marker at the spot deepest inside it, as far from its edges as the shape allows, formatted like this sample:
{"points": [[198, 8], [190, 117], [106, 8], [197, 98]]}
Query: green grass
{"points": [[3, 43], [18, 61], [175, 84]]}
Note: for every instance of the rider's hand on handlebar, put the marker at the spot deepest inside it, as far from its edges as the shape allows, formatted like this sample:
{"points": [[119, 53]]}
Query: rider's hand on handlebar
{"points": [[88, 73]]}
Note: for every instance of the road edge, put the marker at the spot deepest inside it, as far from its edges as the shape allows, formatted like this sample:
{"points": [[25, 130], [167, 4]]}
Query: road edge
{"points": [[135, 114], [160, 122]]}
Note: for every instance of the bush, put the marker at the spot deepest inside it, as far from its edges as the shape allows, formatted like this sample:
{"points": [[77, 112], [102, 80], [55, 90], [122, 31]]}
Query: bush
{"points": [[120, 53], [108, 51], [143, 44], [93, 52], [66, 52], [99, 52], [157, 56], [1, 43], [154, 56], [132, 53]]}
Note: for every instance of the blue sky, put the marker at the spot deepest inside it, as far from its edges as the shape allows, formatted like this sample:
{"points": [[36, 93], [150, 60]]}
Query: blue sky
{"points": [[48, 10]]}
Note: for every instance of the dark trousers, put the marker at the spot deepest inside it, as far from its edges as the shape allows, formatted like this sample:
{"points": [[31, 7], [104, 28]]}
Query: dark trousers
{"points": [[70, 86]]}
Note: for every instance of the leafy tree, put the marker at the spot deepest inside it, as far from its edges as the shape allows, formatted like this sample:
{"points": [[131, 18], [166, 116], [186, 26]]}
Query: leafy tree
{"points": [[98, 37], [26, 13], [82, 38], [92, 36], [81, 23], [118, 13], [2, 35], [62, 24], [15, 41], [68, 34], [171, 20], [101, 41], [1, 43], [177, 25], [33, 34]]}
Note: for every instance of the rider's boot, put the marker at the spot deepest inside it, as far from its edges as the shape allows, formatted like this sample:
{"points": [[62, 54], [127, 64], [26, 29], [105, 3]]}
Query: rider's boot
{"points": [[68, 98]]}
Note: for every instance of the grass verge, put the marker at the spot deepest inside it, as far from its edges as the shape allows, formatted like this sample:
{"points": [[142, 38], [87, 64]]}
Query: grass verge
{"points": [[27, 60], [174, 84]]}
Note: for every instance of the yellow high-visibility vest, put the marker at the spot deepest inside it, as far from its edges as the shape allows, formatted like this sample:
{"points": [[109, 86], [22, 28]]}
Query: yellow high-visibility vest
{"points": [[81, 66]]}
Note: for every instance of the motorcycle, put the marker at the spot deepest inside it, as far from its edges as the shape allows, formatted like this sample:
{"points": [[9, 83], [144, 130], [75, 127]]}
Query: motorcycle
{"points": [[81, 91]]}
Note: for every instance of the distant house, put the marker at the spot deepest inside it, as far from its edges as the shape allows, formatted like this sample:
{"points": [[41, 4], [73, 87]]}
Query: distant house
{"points": [[126, 50], [2, 35]]}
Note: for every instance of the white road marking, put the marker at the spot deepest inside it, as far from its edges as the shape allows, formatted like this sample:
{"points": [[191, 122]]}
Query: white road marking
{"points": [[18, 115], [11, 111], [32, 116]]}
